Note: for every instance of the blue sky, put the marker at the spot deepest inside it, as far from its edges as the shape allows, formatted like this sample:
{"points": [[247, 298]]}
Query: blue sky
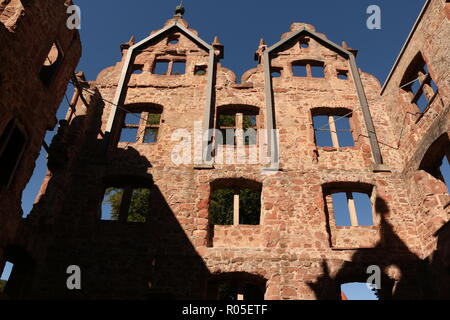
{"points": [[240, 25]]}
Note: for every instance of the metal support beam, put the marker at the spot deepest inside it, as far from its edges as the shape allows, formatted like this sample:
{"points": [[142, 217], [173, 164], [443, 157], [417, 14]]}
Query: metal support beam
{"points": [[272, 139], [376, 152], [208, 116]]}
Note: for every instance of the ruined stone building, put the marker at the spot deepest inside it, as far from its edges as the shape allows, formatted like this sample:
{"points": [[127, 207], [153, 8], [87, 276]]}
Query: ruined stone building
{"points": [[38, 55], [348, 173]]}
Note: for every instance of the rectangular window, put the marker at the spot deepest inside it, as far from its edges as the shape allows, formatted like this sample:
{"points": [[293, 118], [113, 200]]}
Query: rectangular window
{"points": [[141, 127], [250, 129], [234, 206], [161, 67], [178, 68], [130, 130], [126, 204], [227, 125], [152, 127], [333, 131], [352, 209], [299, 70], [12, 146]]}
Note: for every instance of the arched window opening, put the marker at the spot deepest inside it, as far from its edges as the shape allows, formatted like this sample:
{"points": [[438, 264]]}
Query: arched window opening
{"points": [[235, 202], [276, 72], [236, 287], [359, 291], [200, 70], [173, 39], [126, 200], [304, 43], [417, 80], [51, 64], [436, 160]]}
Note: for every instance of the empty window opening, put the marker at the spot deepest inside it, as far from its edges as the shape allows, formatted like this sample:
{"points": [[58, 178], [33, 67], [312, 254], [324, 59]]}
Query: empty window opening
{"points": [[174, 39], [200, 70], [333, 131], [236, 287], [240, 126], [317, 71], [235, 206], [250, 126], [141, 127], [342, 74], [227, 126], [417, 80], [126, 204], [6, 274], [152, 127], [161, 67], [51, 64], [178, 68], [276, 72], [445, 171], [358, 291], [239, 291], [436, 160], [12, 146], [304, 43], [130, 128], [307, 68], [138, 69], [300, 70], [352, 209]]}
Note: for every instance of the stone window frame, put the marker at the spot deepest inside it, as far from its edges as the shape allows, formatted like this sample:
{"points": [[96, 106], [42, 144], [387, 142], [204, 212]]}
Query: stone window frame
{"points": [[349, 187], [418, 67], [331, 113], [128, 184], [171, 60], [239, 111], [5, 139], [308, 64], [144, 110], [237, 184]]}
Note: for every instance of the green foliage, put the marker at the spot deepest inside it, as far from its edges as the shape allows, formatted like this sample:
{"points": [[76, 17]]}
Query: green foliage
{"points": [[227, 120], [222, 203], [250, 206], [139, 206], [221, 207], [200, 73], [154, 119]]}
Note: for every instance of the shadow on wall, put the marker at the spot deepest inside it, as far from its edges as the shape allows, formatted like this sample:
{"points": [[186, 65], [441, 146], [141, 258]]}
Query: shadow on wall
{"points": [[404, 275]]}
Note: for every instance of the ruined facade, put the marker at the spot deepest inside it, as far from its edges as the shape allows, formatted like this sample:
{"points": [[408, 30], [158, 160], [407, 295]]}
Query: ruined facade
{"points": [[296, 247], [38, 55]]}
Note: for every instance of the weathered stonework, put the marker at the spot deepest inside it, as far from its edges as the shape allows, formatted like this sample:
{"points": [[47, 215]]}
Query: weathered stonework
{"points": [[297, 250], [27, 31]]}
